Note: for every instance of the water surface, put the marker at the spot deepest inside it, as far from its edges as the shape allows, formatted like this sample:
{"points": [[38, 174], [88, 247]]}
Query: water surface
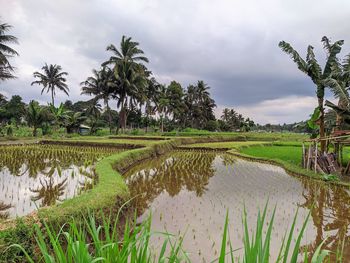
{"points": [[190, 192], [33, 176]]}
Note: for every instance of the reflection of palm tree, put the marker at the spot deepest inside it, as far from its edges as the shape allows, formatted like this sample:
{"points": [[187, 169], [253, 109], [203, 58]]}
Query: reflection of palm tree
{"points": [[184, 170], [227, 160], [330, 211], [3, 207], [49, 193]]}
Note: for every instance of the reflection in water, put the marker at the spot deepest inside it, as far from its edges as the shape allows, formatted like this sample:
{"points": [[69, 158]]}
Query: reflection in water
{"points": [[330, 212], [49, 192], [3, 210], [33, 176], [170, 174], [191, 191]]}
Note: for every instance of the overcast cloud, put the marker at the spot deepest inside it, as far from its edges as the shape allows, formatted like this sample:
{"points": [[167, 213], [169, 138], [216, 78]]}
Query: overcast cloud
{"points": [[231, 45]]}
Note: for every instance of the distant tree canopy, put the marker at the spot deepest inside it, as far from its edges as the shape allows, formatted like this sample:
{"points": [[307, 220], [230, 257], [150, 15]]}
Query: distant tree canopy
{"points": [[124, 94], [6, 52]]}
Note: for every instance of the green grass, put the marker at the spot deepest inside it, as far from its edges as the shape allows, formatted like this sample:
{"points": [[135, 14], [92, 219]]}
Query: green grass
{"points": [[107, 140], [90, 241], [287, 153], [224, 145], [254, 136]]}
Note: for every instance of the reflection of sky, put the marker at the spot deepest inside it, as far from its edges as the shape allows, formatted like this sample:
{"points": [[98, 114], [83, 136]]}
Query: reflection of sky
{"points": [[16, 190], [232, 187]]}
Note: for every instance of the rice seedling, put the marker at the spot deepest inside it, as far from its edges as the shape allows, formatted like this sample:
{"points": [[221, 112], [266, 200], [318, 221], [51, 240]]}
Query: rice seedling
{"points": [[37, 175], [89, 241], [196, 188]]}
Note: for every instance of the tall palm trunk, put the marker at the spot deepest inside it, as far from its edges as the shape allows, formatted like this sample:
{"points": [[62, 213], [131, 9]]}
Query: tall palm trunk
{"points": [[35, 133], [52, 96], [122, 117], [109, 117], [161, 124], [147, 115], [147, 122]]}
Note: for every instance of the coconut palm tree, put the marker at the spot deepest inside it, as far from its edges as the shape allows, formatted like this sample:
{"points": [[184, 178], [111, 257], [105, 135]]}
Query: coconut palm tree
{"points": [[162, 105], [6, 52], [99, 86], [35, 116], [311, 67], [129, 52], [130, 77], [152, 93], [51, 79]]}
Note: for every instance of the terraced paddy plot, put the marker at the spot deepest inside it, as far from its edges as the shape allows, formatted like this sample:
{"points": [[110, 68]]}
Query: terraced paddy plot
{"points": [[33, 176], [189, 193]]}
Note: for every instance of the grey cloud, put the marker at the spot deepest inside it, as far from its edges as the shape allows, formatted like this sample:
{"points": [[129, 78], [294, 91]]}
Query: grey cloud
{"points": [[231, 45]]}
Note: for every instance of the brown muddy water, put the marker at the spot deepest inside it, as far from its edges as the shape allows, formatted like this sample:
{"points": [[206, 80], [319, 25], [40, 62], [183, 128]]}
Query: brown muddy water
{"points": [[188, 193], [32, 176]]}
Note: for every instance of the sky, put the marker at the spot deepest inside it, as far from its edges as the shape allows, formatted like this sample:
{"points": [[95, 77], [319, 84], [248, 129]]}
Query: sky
{"points": [[230, 44]]}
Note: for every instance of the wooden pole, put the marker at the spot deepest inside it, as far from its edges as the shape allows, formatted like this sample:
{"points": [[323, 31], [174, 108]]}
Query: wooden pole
{"points": [[308, 158], [315, 158]]}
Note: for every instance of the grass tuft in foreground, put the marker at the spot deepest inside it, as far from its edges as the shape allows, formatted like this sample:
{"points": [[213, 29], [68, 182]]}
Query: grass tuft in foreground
{"points": [[88, 241]]}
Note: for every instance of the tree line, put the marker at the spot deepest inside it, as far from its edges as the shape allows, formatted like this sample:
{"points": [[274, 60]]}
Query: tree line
{"points": [[124, 81]]}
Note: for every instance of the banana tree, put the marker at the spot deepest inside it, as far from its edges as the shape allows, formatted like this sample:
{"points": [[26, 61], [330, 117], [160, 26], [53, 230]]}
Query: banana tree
{"points": [[311, 67], [339, 82]]}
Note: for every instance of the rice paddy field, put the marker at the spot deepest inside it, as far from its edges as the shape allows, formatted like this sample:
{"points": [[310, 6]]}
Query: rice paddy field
{"points": [[184, 193], [34, 175], [189, 193]]}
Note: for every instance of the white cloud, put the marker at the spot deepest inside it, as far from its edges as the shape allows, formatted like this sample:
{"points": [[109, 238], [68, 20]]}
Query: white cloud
{"points": [[230, 44]]}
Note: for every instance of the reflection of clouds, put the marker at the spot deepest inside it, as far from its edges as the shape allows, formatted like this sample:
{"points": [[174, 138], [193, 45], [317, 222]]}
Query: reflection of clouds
{"points": [[330, 213], [202, 186], [42, 169], [183, 170]]}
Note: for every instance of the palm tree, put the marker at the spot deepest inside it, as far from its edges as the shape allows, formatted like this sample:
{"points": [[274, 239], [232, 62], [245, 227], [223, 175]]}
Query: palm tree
{"points": [[129, 52], [162, 105], [34, 116], [311, 68], [99, 86], [6, 52], [151, 95], [129, 73], [51, 78]]}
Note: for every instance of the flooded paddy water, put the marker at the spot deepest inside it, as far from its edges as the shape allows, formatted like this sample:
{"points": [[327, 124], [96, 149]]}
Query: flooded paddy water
{"points": [[189, 193], [35, 175]]}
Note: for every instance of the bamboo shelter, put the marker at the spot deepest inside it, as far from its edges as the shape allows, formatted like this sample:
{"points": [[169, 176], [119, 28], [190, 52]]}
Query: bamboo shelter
{"points": [[330, 161]]}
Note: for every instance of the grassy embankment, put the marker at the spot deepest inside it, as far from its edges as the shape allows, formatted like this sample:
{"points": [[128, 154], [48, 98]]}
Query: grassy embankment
{"points": [[111, 183], [108, 192]]}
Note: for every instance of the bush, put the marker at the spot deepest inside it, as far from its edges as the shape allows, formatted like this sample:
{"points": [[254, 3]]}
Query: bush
{"points": [[212, 125], [137, 132], [21, 234]]}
